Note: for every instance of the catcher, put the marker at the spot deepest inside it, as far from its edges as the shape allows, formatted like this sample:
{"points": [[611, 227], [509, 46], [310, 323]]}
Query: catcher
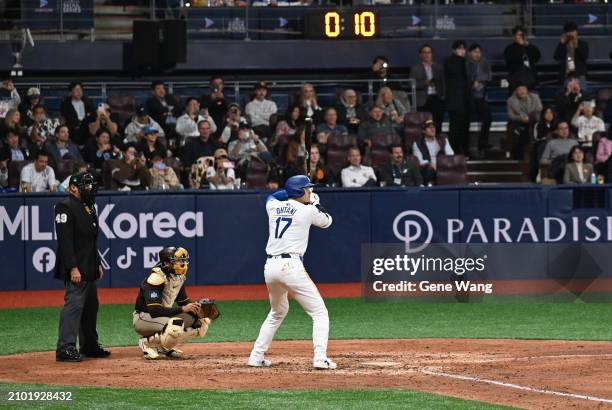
{"points": [[157, 319]]}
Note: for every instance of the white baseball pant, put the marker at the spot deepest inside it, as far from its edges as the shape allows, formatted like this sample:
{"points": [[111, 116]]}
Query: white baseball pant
{"points": [[283, 275]]}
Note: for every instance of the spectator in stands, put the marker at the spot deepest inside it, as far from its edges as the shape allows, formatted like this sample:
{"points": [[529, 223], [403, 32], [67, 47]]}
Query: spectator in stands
{"points": [[556, 151], [260, 109], [246, 146], [141, 120], [62, 148], [479, 74], [587, 124], [101, 149], [187, 124], [10, 102], [215, 102], [572, 54], [295, 154], [328, 128], [428, 148], [26, 107], [77, 112], [42, 127], [457, 98], [521, 59], [401, 171], [163, 176], [524, 108], [4, 161], [104, 119], [233, 119], [603, 157], [576, 170], [12, 121], [130, 172], [290, 123], [150, 146], [12, 147], [380, 70], [307, 100], [162, 107], [349, 111], [430, 87], [38, 176], [392, 107], [377, 124], [221, 174], [195, 148], [568, 99], [357, 175], [319, 174], [542, 132], [77, 168]]}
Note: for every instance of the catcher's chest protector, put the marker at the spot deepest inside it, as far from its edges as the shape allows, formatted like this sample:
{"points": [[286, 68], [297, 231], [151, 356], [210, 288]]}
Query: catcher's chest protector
{"points": [[171, 289]]}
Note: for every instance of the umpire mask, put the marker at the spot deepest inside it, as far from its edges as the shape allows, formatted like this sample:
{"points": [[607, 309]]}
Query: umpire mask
{"points": [[87, 186]]}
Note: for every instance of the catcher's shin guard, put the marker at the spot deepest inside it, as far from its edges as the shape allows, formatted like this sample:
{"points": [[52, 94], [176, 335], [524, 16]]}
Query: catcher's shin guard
{"points": [[149, 352]]}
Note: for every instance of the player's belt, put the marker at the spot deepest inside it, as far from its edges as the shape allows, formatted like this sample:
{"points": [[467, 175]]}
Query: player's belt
{"points": [[285, 256]]}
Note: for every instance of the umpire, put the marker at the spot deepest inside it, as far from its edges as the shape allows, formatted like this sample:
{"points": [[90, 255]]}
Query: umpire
{"points": [[78, 265]]}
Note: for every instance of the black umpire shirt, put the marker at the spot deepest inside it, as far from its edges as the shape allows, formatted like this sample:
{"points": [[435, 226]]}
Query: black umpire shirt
{"points": [[76, 226]]}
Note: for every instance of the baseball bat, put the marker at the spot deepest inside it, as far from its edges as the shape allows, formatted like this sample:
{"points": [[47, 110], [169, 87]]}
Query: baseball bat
{"points": [[307, 140]]}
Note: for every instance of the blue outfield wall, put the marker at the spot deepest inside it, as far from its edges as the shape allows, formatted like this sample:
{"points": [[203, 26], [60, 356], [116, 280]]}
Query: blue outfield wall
{"points": [[226, 233]]}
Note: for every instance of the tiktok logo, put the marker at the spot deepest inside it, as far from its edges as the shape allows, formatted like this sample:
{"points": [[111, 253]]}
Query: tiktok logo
{"points": [[43, 260]]}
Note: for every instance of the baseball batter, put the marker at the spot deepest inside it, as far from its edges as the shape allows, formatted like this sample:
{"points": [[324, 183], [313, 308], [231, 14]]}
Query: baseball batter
{"points": [[290, 213]]}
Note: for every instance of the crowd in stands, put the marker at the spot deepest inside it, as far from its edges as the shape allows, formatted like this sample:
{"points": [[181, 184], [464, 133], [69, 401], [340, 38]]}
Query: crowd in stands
{"points": [[209, 142]]}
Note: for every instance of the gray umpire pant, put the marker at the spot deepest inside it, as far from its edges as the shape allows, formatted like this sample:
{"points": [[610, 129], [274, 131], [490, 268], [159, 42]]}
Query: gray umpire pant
{"points": [[147, 326], [79, 316]]}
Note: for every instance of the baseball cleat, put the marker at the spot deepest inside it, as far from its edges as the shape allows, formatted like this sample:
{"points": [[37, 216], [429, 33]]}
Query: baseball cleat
{"points": [[148, 352], [325, 364], [170, 353], [255, 362]]}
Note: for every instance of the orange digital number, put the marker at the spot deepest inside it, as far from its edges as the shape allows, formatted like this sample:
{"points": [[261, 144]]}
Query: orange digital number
{"points": [[332, 24], [367, 24]]}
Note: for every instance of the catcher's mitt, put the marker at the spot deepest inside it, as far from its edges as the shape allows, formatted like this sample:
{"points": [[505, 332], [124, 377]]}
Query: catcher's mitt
{"points": [[208, 309]]}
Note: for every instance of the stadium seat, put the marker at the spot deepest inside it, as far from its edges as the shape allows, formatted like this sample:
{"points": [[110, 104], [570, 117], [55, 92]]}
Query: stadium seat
{"points": [[385, 141], [603, 99], [452, 170], [107, 177], [379, 157], [413, 122], [63, 169], [14, 172], [336, 158], [344, 141], [122, 105], [257, 174]]}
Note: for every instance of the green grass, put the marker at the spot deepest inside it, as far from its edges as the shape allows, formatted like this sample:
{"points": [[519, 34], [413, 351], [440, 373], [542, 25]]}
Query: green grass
{"points": [[35, 329], [105, 398]]}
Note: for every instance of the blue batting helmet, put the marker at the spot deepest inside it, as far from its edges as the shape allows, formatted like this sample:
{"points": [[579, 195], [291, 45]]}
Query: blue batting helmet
{"points": [[295, 185]]}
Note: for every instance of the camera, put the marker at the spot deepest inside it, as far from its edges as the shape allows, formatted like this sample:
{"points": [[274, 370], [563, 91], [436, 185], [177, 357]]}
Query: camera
{"points": [[215, 90]]}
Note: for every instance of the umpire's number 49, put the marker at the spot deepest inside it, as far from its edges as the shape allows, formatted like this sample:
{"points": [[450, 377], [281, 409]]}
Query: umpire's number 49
{"points": [[61, 218]]}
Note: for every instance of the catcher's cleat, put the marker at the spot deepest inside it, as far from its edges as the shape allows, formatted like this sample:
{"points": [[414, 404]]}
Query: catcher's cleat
{"points": [[325, 364], [170, 353], [259, 362], [148, 352]]}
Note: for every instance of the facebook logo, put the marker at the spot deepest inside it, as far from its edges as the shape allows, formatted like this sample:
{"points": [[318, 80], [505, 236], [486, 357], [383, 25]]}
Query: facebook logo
{"points": [[43, 260]]}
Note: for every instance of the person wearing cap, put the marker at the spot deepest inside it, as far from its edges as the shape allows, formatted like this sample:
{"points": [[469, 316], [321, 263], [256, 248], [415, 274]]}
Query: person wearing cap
{"points": [[140, 121], [428, 148], [13, 100], [221, 174], [77, 112], [26, 107], [130, 172], [259, 110], [587, 123], [187, 124], [78, 265], [572, 54], [247, 145], [233, 118], [524, 109], [150, 145], [457, 98]]}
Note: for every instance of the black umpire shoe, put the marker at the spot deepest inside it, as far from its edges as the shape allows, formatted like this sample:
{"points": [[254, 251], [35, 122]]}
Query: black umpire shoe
{"points": [[95, 352], [68, 354]]}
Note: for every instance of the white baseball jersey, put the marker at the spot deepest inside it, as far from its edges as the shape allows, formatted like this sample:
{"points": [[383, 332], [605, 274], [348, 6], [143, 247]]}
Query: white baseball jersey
{"points": [[289, 223]]}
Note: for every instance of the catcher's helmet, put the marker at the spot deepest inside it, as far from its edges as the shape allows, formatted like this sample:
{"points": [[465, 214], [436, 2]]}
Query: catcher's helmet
{"points": [[174, 258], [296, 184]]}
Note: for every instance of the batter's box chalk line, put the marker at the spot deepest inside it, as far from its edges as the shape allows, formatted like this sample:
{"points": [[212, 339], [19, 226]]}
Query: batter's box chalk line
{"points": [[516, 386]]}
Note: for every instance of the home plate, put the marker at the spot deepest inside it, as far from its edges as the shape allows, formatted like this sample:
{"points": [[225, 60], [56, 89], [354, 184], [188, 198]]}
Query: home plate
{"points": [[382, 364]]}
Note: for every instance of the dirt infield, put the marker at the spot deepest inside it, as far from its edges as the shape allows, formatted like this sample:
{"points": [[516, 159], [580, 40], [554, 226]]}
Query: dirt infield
{"points": [[529, 374]]}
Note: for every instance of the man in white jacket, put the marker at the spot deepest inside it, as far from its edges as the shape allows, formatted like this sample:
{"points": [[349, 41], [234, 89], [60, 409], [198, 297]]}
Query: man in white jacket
{"points": [[187, 124], [260, 109], [587, 123]]}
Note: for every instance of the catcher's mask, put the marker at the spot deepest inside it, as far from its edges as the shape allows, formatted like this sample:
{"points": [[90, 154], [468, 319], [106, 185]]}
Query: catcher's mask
{"points": [[175, 259]]}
